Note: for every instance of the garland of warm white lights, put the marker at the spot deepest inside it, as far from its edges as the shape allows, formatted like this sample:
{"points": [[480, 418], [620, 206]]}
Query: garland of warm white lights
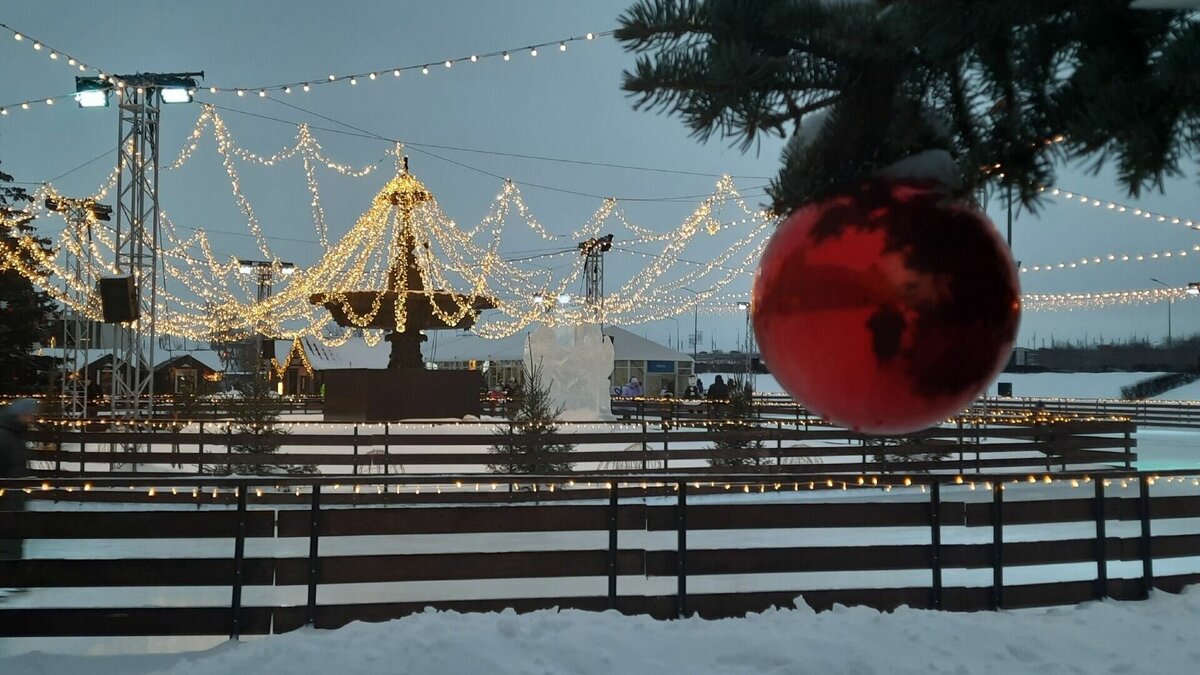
{"points": [[261, 91], [426, 68], [54, 55], [447, 258], [1111, 257], [1116, 207], [1042, 302]]}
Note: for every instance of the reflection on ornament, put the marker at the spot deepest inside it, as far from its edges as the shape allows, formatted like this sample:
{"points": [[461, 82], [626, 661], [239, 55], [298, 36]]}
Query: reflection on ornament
{"points": [[886, 310]]}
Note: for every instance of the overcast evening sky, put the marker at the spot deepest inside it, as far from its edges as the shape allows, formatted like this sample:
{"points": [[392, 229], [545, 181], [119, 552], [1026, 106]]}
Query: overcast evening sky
{"points": [[567, 105]]}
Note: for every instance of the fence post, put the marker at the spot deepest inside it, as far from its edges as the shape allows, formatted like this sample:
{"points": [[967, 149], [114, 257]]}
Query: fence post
{"points": [[355, 449], [666, 429], [1147, 551], [998, 545], [935, 538], [239, 556], [645, 447], [779, 443], [1101, 542], [1128, 450], [200, 449], [313, 542], [386, 446], [681, 550], [613, 505]]}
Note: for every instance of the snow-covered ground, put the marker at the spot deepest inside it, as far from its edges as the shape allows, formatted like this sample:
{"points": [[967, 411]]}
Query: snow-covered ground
{"points": [[1155, 636]]}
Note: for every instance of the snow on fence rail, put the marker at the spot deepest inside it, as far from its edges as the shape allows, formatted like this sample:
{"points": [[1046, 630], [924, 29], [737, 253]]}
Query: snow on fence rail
{"points": [[656, 545], [680, 446]]}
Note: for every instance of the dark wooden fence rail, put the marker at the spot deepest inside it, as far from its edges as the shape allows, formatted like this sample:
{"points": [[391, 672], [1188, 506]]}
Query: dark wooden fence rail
{"points": [[1183, 414], [963, 448], [940, 509]]}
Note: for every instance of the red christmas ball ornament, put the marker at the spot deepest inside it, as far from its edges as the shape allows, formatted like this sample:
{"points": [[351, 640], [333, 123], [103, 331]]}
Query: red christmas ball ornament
{"points": [[886, 310]]}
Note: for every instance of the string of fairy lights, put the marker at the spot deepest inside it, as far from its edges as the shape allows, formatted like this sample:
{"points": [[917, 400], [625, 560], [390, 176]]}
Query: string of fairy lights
{"points": [[53, 54], [212, 297], [381, 74], [458, 484]]}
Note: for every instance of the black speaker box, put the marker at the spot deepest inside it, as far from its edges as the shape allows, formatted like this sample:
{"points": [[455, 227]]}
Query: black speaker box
{"points": [[118, 299], [267, 348]]}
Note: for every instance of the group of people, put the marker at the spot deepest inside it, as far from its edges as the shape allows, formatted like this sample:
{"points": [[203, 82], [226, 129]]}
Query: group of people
{"points": [[717, 391]]}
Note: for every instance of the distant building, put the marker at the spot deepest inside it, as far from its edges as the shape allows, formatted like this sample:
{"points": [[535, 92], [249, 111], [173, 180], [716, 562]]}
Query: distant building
{"points": [[298, 364], [174, 370]]}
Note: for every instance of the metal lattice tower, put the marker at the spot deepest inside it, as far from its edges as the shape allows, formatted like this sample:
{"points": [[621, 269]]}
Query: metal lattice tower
{"points": [[137, 243], [593, 251], [80, 215]]}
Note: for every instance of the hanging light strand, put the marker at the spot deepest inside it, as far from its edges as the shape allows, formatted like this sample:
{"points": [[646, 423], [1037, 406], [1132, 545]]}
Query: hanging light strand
{"points": [[395, 72]]}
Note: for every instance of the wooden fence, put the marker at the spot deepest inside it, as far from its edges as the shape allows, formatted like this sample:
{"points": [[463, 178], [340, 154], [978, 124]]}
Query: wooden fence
{"points": [[608, 573], [781, 447]]}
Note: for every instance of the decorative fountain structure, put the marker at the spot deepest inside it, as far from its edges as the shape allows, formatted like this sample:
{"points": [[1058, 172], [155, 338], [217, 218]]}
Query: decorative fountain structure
{"points": [[405, 308]]}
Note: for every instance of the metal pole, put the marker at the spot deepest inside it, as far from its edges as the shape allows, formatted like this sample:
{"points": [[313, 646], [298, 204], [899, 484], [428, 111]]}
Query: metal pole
{"points": [[1101, 542], [998, 546], [613, 505], [313, 557], [681, 551], [935, 538], [1146, 541], [239, 556]]}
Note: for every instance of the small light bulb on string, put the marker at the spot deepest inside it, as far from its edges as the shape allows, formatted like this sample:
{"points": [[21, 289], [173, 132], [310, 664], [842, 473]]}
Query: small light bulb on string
{"points": [[241, 92], [262, 93], [212, 90], [533, 51], [506, 56], [18, 37], [37, 46], [424, 70], [590, 36], [396, 73], [474, 58], [449, 64], [307, 88], [332, 78], [372, 76], [562, 46]]}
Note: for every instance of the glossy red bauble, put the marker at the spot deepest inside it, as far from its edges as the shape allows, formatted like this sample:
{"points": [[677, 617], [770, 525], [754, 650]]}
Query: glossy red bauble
{"points": [[886, 310]]}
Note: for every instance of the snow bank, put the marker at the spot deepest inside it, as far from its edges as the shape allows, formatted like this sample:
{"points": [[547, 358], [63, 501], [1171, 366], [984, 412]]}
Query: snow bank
{"points": [[1155, 636]]}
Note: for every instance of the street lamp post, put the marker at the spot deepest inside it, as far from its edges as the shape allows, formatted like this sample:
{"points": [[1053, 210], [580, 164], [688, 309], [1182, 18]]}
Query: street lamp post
{"points": [[676, 320], [695, 322], [1170, 301]]}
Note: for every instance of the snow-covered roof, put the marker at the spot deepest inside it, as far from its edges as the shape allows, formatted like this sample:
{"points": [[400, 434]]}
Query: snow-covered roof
{"points": [[208, 357], [446, 346], [449, 346], [355, 353], [630, 346]]}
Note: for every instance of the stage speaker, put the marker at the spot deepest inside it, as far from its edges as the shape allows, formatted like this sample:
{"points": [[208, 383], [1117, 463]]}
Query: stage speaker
{"points": [[118, 299], [267, 348]]}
